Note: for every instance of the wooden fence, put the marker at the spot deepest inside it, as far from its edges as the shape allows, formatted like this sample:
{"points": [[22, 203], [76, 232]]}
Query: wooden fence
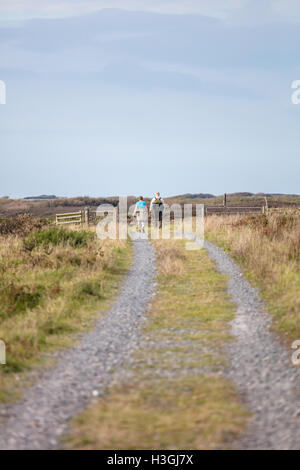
{"points": [[74, 218], [236, 209], [84, 217], [87, 216], [209, 210]]}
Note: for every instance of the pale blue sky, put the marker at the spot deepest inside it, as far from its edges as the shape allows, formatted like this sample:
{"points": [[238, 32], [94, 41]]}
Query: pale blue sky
{"points": [[176, 96]]}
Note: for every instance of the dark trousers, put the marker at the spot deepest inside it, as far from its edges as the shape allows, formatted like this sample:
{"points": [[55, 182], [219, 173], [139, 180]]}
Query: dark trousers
{"points": [[157, 213], [160, 215]]}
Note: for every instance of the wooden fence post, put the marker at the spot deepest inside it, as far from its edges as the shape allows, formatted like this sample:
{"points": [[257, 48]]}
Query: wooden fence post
{"points": [[225, 200], [266, 207], [86, 216]]}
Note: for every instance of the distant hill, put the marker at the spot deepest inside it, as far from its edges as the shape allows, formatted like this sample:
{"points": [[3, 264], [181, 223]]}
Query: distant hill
{"points": [[43, 196], [196, 196], [276, 194], [261, 194]]}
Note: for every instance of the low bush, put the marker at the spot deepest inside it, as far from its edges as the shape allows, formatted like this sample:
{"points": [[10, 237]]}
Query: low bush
{"points": [[55, 236], [21, 225]]}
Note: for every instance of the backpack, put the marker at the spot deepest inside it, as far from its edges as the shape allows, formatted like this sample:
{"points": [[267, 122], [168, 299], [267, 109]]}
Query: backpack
{"points": [[157, 200]]}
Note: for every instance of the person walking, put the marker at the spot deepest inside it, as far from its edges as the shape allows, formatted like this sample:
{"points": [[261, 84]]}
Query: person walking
{"points": [[156, 208], [141, 213]]}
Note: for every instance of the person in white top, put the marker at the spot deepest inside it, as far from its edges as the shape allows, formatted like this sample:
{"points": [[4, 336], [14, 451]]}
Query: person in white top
{"points": [[141, 212], [156, 208]]}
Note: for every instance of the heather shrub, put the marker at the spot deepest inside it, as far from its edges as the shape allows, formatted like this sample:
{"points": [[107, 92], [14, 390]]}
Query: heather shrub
{"points": [[21, 225], [58, 236]]}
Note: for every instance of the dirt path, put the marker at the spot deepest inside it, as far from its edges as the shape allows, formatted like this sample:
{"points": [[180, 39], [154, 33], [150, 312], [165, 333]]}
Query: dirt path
{"points": [[40, 420], [260, 367]]}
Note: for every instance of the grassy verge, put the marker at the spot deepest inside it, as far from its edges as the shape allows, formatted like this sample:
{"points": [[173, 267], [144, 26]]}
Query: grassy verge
{"points": [[173, 395], [53, 284], [268, 248]]}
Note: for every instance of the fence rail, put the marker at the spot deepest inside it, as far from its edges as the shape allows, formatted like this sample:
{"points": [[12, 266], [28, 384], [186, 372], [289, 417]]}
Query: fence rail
{"points": [[69, 218], [209, 210], [84, 217]]}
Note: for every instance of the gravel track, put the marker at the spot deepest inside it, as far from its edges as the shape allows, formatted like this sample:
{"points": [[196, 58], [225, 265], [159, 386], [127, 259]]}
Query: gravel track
{"points": [[260, 367], [40, 420]]}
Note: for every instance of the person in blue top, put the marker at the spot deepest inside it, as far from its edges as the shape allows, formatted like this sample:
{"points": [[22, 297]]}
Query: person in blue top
{"points": [[141, 212]]}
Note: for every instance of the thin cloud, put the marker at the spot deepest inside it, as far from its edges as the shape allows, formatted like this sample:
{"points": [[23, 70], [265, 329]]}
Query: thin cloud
{"points": [[215, 8]]}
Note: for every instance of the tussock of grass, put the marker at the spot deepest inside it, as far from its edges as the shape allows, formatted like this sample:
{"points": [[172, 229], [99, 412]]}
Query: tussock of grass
{"points": [[268, 247], [52, 291], [175, 398], [170, 257]]}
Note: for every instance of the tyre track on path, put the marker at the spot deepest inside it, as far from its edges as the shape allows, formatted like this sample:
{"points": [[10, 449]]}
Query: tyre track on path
{"points": [[41, 419], [260, 366]]}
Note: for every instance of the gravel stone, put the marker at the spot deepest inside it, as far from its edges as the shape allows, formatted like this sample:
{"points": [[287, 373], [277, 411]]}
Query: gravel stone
{"points": [[41, 419]]}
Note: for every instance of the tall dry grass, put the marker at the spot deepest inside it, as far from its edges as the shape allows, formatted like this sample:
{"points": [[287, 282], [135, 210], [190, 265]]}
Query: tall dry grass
{"points": [[268, 247], [170, 257]]}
